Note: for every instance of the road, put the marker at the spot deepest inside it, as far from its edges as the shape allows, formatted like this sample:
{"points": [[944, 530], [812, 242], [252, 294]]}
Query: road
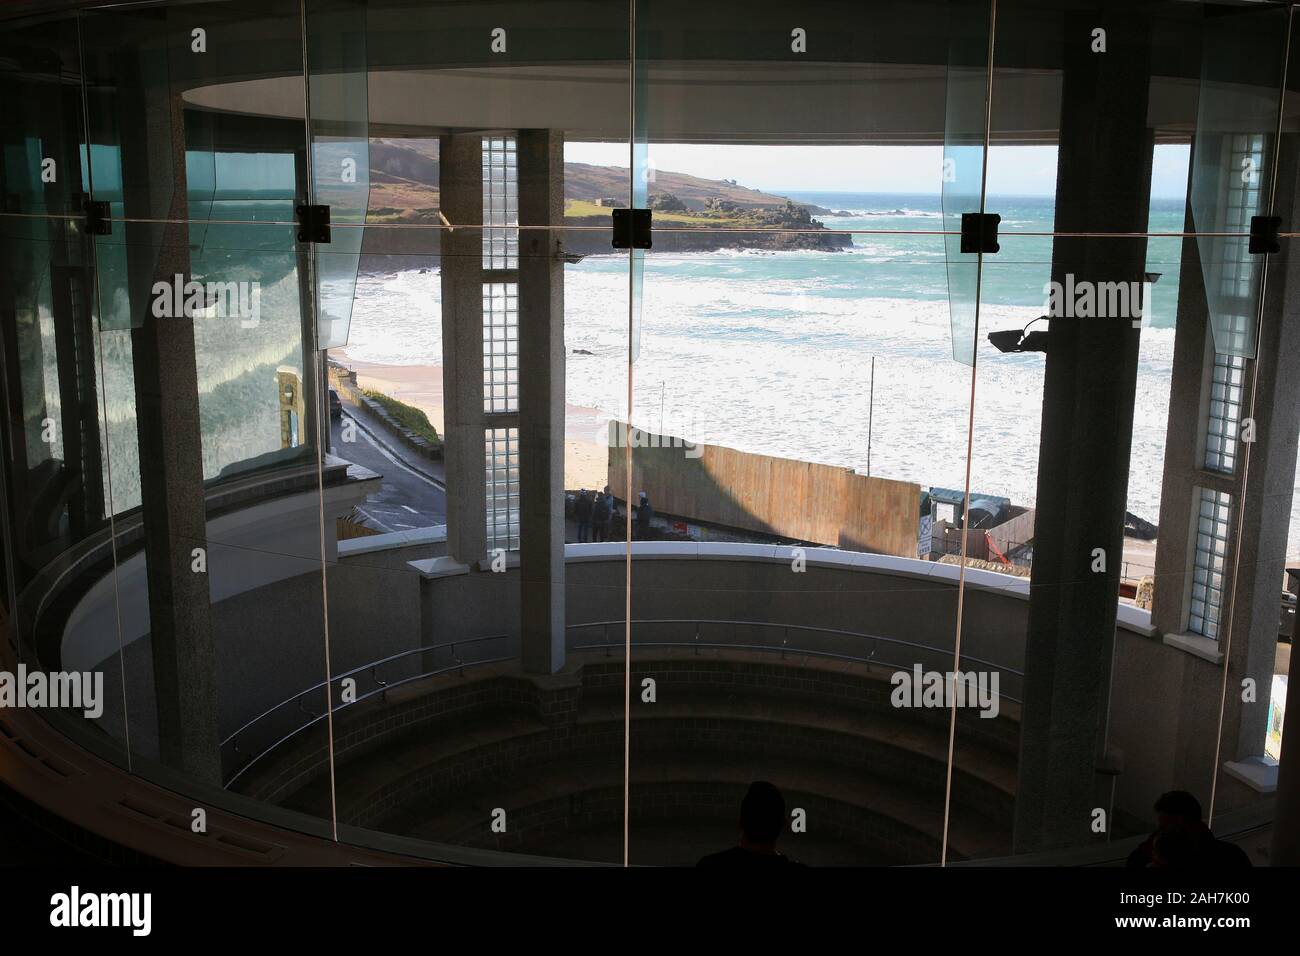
{"points": [[409, 499]]}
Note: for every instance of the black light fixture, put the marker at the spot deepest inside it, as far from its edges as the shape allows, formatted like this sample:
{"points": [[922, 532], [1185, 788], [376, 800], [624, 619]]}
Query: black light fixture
{"points": [[1020, 340]]}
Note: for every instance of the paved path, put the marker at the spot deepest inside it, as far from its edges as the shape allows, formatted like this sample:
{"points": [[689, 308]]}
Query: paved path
{"points": [[413, 494]]}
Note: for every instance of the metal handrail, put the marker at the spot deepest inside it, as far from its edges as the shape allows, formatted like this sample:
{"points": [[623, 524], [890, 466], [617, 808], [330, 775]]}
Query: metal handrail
{"points": [[317, 718], [428, 648], [830, 655], [459, 664], [839, 632], [383, 688]]}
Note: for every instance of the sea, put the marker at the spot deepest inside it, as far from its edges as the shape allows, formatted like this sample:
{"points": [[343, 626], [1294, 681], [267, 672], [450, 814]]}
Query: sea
{"points": [[847, 358]]}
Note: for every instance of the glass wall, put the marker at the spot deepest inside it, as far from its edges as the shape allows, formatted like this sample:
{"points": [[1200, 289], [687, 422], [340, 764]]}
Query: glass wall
{"points": [[521, 428], [803, 348]]}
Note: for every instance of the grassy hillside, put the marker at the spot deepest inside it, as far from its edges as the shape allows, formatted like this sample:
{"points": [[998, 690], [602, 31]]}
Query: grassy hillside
{"points": [[404, 177], [404, 188], [584, 181], [580, 208]]}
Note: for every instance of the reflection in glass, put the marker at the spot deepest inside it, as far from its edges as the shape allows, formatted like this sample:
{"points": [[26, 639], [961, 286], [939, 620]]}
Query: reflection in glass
{"points": [[342, 525]]}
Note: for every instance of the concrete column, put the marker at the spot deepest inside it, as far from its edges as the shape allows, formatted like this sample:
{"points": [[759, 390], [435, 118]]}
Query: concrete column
{"points": [[1251, 602], [71, 286], [1103, 184], [541, 401], [167, 416], [72, 291], [1183, 472], [1192, 686], [461, 261]]}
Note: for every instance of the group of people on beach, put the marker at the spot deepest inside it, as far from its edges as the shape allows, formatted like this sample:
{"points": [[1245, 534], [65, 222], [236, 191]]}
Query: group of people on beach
{"points": [[597, 512]]}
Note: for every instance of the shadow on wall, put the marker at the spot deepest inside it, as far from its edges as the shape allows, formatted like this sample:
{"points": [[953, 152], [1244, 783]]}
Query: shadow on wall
{"points": [[801, 500]]}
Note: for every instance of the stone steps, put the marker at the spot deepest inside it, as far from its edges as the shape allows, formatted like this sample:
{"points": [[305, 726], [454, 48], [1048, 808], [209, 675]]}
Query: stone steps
{"points": [[827, 682], [392, 787], [992, 766], [911, 829], [357, 781], [706, 730]]}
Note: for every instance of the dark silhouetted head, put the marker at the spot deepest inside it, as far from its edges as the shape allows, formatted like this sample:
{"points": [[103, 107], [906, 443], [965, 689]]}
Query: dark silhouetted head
{"points": [[1174, 850], [762, 814], [1177, 812]]}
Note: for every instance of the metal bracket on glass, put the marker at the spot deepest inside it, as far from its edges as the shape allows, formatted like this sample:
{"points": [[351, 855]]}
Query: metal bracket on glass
{"points": [[632, 228], [1263, 234], [98, 221], [979, 231], [313, 223]]}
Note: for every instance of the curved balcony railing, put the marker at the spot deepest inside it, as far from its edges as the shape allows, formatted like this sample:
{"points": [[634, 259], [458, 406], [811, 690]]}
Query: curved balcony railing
{"points": [[785, 646], [296, 705]]}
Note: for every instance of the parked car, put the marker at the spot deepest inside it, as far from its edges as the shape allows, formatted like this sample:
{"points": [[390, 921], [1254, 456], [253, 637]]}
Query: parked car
{"points": [[336, 405]]}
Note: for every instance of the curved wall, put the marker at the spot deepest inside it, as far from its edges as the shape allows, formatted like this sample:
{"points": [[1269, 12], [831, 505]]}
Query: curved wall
{"points": [[197, 162]]}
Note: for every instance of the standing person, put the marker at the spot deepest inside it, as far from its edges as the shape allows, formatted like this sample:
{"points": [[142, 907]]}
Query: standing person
{"points": [[582, 510], [617, 530], [643, 515], [600, 517]]}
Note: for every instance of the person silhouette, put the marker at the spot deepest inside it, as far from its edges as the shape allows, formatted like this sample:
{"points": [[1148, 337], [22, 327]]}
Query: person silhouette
{"points": [[583, 509], [1182, 841], [762, 818]]}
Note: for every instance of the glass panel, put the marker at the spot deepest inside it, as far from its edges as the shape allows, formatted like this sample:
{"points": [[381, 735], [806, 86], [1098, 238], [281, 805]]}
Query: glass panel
{"points": [[54, 528], [214, 471], [48, 311], [422, 426], [232, 465], [489, 310], [340, 152], [41, 128], [1037, 578], [194, 61], [1259, 550], [1232, 164], [790, 576], [1070, 459], [965, 140], [55, 483], [1129, 525]]}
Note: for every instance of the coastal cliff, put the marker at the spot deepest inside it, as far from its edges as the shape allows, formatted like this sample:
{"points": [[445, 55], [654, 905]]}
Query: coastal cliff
{"points": [[692, 214]]}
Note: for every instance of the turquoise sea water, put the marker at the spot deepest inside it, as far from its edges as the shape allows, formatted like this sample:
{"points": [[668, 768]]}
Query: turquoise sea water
{"points": [[771, 352]]}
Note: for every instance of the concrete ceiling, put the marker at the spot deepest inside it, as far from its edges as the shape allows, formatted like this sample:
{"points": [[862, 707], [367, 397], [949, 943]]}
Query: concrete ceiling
{"points": [[695, 102]]}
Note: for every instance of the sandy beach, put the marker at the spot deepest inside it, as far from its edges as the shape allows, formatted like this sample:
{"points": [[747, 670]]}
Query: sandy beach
{"points": [[585, 461]]}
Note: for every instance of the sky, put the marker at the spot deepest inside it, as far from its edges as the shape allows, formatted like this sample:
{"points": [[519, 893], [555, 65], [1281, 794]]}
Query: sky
{"points": [[1013, 170]]}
